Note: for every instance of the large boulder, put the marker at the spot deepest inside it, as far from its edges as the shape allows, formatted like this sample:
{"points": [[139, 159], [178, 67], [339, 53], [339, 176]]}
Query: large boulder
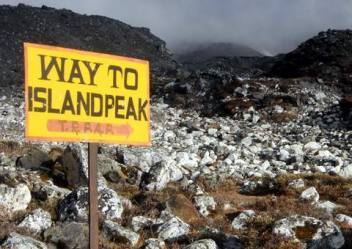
{"points": [[161, 174], [34, 159], [311, 232], [13, 200], [17, 241], [75, 206], [114, 231], [172, 228], [75, 164], [37, 222]]}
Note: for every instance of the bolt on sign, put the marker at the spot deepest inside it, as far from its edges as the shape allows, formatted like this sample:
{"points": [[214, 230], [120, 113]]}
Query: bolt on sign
{"points": [[74, 95]]}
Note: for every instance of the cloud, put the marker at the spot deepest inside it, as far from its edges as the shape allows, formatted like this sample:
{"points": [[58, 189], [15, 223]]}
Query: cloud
{"points": [[271, 25]]}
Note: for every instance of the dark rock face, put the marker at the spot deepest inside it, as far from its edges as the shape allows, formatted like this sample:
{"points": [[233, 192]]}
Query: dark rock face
{"points": [[35, 159], [72, 163], [68, 29], [202, 91], [327, 55]]}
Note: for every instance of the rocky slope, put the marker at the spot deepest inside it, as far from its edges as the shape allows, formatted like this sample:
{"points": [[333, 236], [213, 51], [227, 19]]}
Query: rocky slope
{"points": [[274, 175], [68, 29], [327, 55]]}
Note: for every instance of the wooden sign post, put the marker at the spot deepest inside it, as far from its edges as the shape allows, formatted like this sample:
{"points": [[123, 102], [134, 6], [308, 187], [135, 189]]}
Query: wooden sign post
{"points": [[93, 196], [81, 96]]}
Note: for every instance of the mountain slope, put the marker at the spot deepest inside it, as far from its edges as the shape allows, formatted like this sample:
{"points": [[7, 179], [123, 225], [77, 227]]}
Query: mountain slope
{"points": [[68, 29], [200, 52]]}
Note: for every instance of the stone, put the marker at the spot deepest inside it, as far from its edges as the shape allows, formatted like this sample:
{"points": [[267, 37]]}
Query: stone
{"points": [[327, 206], [140, 222], [206, 160], [297, 183], [13, 200], [205, 204], [75, 164], [247, 141], [37, 222], [34, 159], [154, 244], [173, 229], [107, 166], [17, 241], [346, 171], [318, 234], [284, 155], [161, 174], [113, 230], [75, 206], [312, 147], [344, 219], [69, 235], [186, 160], [310, 195], [47, 191], [212, 131], [203, 244], [240, 221]]}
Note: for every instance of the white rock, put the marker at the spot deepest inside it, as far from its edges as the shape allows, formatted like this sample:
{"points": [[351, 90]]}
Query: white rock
{"points": [[52, 191], [114, 230], [212, 131], [278, 109], [284, 155], [312, 146], [328, 206], [14, 199], [240, 221], [186, 160], [346, 171], [344, 219], [141, 222], [173, 229], [247, 141], [162, 173], [154, 244], [17, 241], [203, 244], [37, 222], [327, 234], [204, 204], [320, 169], [206, 160], [310, 195], [75, 206], [297, 183], [169, 136]]}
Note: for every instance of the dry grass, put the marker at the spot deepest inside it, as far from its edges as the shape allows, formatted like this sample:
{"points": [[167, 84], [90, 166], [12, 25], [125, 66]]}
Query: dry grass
{"points": [[13, 148]]}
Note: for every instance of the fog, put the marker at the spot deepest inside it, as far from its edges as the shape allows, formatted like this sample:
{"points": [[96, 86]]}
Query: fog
{"points": [[270, 26]]}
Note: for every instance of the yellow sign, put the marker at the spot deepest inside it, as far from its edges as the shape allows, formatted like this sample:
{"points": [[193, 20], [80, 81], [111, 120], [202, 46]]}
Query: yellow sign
{"points": [[74, 95]]}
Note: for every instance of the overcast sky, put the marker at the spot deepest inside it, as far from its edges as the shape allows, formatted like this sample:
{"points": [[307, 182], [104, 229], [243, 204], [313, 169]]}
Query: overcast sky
{"points": [[267, 25]]}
